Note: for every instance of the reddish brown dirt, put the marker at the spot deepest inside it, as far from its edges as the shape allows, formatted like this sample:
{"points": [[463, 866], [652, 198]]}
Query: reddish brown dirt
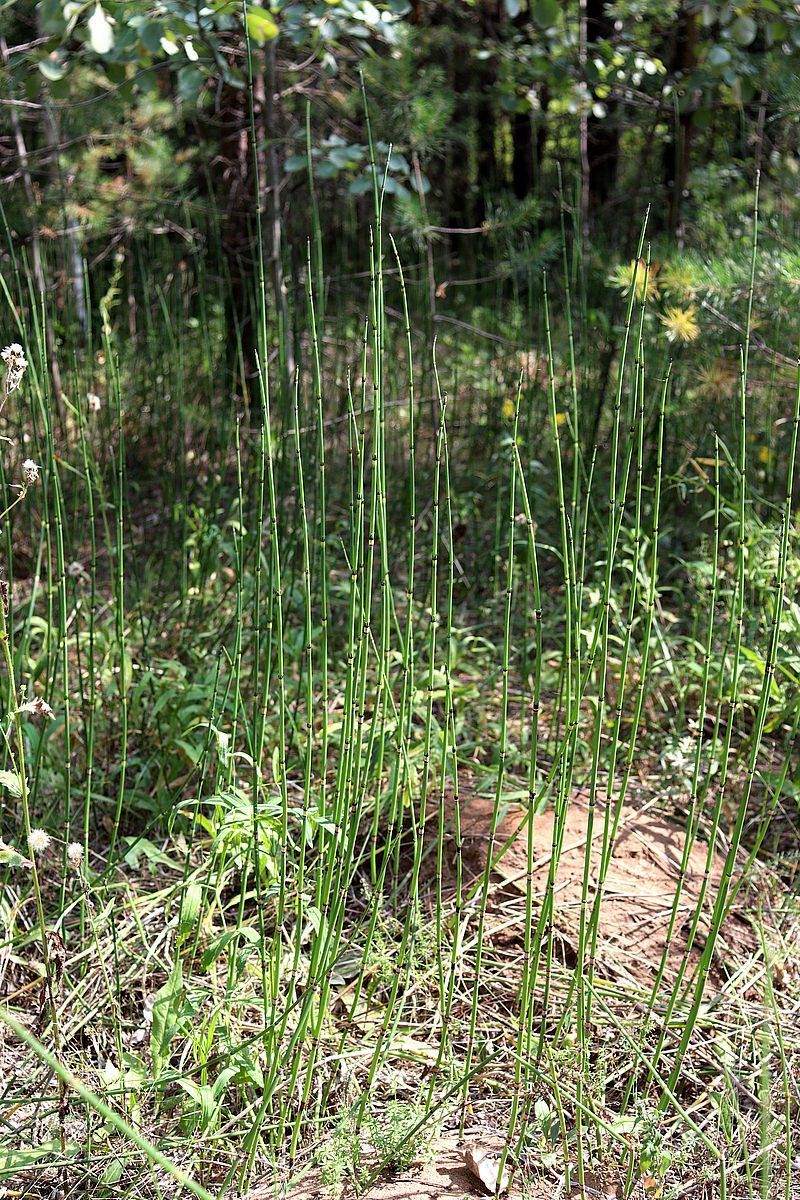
{"points": [[638, 892], [442, 1174]]}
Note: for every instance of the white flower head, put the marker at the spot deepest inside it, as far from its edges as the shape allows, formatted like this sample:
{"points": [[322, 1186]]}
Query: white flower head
{"points": [[680, 756], [76, 570], [94, 402], [38, 841], [37, 707], [16, 363], [74, 854], [30, 472]]}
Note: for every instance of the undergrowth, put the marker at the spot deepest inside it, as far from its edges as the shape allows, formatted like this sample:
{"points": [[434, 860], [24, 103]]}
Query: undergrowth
{"points": [[266, 640]]}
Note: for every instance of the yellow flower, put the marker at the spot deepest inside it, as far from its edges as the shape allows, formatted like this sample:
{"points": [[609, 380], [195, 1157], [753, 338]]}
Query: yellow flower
{"points": [[560, 419], [508, 410], [764, 454], [680, 323], [636, 274], [680, 279]]}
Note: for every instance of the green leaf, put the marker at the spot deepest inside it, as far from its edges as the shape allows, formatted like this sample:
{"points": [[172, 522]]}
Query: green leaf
{"points": [[220, 944], [101, 35], [718, 56], [545, 12], [190, 909], [52, 69], [166, 1007], [744, 30], [703, 117], [222, 1081], [777, 31], [150, 33], [190, 81], [116, 75], [9, 857], [261, 25], [14, 1161], [760, 665], [11, 782], [139, 848], [203, 1096], [51, 15], [60, 89], [113, 1172]]}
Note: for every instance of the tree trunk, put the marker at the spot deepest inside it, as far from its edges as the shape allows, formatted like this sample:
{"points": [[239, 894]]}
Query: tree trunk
{"points": [[486, 107], [523, 162], [269, 128], [238, 231], [75, 266], [240, 235], [602, 133], [541, 126], [457, 175], [522, 166], [677, 150]]}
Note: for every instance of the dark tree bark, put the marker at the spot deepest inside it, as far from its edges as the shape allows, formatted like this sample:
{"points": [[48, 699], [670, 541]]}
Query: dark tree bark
{"points": [[541, 125], [677, 149], [454, 48], [526, 153], [240, 230], [268, 128], [485, 75], [457, 176], [237, 229], [602, 142], [522, 165]]}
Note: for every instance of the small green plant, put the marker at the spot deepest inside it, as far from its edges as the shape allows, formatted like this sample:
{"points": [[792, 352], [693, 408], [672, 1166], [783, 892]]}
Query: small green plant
{"points": [[340, 1159], [399, 1135]]}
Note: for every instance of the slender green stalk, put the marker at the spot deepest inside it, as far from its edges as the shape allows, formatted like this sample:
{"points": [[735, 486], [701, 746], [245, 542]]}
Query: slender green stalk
{"points": [[151, 1152]]}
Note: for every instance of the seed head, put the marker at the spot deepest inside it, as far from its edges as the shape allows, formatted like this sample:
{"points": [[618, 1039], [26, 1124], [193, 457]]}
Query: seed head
{"points": [[14, 358], [37, 707], [76, 570], [30, 472], [38, 841], [74, 855]]}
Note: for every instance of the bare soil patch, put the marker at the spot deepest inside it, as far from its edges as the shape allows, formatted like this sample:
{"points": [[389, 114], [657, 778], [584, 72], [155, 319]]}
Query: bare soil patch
{"points": [[638, 892], [442, 1173]]}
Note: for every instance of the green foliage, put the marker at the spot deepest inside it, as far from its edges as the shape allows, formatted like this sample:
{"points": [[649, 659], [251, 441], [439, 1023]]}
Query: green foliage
{"points": [[341, 623], [143, 97]]}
